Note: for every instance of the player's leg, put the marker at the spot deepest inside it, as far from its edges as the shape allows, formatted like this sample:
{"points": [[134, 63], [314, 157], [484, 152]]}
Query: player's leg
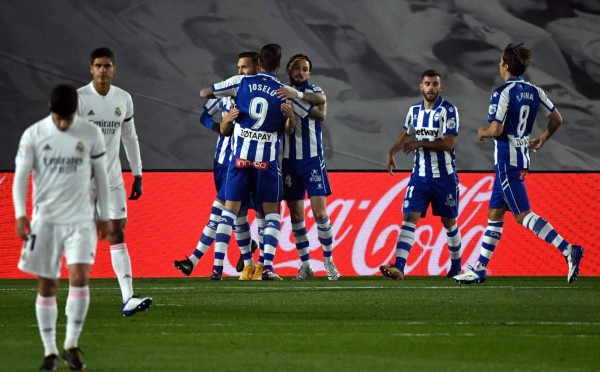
{"points": [[294, 192], [544, 230], [80, 250], [46, 313], [42, 257], [444, 203], [119, 253], [269, 191], [296, 208], [416, 201], [206, 239], [325, 233], [260, 220], [242, 235], [491, 238], [271, 238]]}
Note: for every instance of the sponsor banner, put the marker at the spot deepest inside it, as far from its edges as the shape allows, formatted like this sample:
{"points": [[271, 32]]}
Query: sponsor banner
{"points": [[365, 210]]}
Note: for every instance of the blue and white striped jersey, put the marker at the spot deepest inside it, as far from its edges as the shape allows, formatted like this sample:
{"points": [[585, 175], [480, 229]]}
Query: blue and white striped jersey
{"points": [[307, 140], [515, 105], [257, 133], [211, 108], [433, 125]]}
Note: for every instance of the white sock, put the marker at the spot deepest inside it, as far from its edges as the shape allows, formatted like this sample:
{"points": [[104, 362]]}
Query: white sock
{"points": [[76, 310], [46, 313], [122, 266]]}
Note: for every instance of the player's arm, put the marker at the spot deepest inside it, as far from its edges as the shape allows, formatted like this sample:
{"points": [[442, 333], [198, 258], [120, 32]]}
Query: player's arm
{"points": [[226, 88], [554, 122], [100, 172], [288, 112], [227, 124], [313, 98], [491, 131], [23, 167], [445, 144], [390, 162], [318, 112], [132, 150], [207, 92], [210, 108]]}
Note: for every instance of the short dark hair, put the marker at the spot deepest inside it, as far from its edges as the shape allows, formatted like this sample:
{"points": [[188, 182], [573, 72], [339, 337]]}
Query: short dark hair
{"points": [[252, 55], [63, 100], [517, 57], [102, 52], [296, 57], [431, 73], [270, 57]]}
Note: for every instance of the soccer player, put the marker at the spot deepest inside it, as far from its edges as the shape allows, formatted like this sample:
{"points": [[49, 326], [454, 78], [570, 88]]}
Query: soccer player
{"points": [[511, 115], [247, 65], [260, 117], [304, 171], [111, 109], [431, 128], [61, 151]]}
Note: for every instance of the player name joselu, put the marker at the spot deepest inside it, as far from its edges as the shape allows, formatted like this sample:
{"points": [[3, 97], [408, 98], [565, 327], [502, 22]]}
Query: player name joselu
{"points": [[108, 127], [262, 88]]}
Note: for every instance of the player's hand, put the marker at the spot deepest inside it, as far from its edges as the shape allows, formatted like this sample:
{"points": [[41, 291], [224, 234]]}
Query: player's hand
{"points": [[536, 144], [391, 163], [136, 188], [287, 109], [286, 92], [480, 134], [104, 229], [231, 115], [23, 228]]}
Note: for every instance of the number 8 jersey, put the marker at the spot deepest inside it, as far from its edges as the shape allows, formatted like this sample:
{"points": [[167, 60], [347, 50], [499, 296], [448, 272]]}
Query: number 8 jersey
{"points": [[515, 105]]}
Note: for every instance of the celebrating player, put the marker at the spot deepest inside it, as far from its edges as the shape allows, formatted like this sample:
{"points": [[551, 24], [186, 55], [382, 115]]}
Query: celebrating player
{"points": [[260, 117], [304, 170], [512, 111], [247, 65], [111, 109], [434, 125]]}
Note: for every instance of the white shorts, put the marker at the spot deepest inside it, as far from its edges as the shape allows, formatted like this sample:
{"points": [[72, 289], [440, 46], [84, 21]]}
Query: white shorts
{"points": [[43, 252], [117, 203]]}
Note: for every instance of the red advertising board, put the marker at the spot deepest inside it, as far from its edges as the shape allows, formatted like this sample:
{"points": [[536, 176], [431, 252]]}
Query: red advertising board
{"points": [[365, 209]]}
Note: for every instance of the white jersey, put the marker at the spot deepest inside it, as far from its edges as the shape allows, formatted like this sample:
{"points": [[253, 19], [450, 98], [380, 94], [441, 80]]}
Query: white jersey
{"points": [[61, 163], [113, 114]]}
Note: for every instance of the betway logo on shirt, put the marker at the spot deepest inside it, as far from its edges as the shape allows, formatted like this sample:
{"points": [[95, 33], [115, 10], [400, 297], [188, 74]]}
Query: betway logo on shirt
{"points": [[427, 132], [255, 135]]}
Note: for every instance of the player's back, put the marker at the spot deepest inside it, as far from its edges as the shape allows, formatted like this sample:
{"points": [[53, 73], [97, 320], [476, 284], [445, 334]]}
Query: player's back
{"points": [[515, 104], [259, 107]]}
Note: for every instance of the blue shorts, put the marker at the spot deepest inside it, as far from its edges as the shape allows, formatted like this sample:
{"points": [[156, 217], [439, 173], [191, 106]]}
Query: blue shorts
{"points": [[220, 176], [509, 189], [305, 176], [442, 193], [253, 184]]}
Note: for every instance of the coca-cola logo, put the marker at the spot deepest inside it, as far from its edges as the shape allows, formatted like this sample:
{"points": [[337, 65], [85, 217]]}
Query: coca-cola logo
{"points": [[365, 231]]}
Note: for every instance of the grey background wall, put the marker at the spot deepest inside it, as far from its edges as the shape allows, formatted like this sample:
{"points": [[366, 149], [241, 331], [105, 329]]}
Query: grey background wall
{"points": [[368, 56]]}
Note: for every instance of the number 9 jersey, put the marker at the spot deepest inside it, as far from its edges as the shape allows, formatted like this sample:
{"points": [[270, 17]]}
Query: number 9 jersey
{"points": [[515, 105]]}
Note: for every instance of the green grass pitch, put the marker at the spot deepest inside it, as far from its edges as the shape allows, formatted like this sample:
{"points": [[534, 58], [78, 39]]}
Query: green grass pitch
{"points": [[354, 324]]}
